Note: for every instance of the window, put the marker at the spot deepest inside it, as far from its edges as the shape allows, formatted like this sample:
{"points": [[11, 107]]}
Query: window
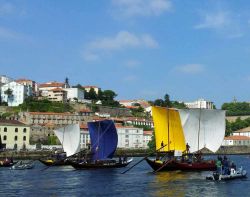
{"points": [[24, 138], [15, 138], [126, 136], [24, 130], [5, 129], [5, 137], [16, 130]]}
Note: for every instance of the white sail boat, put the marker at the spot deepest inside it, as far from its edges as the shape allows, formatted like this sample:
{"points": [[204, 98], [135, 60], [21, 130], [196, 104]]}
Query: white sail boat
{"points": [[69, 136], [203, 128]]}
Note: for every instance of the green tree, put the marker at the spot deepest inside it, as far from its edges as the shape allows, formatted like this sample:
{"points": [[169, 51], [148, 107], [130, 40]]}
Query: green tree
{"points": [[151, 143]]}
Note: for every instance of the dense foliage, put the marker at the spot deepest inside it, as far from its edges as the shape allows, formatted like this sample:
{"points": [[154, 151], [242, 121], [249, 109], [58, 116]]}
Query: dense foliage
{"points": [[166, 102], [236, 125], [33, 105], [236, 108], [151, 143]]}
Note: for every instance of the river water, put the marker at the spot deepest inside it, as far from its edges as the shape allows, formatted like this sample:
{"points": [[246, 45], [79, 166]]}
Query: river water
{"points": [[139, 181]]}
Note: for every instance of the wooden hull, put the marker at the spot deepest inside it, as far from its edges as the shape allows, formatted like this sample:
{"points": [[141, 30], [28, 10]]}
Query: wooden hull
{"points": [[208, 165], [86, 166], [49, 162]]}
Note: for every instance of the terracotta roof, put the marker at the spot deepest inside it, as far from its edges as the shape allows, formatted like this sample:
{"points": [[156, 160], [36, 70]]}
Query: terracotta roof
{"points": [[11, 122], [22, 80], [51, 84], [237, 137], [85, 110], [147, 132], [246, 129], [49, 113], [57, 90], [83, 126]]}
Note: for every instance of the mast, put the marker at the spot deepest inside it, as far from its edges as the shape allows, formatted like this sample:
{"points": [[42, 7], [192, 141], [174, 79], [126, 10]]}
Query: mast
{"points": [[199, 129], [168, 130], [63, 137]]}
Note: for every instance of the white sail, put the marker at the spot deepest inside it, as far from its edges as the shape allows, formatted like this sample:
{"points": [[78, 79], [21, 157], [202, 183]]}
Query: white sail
{"points": [[69, 137], [203, 128]]}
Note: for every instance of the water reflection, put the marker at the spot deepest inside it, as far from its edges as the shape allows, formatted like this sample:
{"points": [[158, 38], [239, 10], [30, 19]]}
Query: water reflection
{"points": [[170, 184]]}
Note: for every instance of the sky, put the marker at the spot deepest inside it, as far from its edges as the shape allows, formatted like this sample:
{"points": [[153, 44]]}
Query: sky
{"points": [[141, 49]]}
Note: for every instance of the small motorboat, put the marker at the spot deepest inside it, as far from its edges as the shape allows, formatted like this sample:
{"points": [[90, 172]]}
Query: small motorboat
{"points": [[22, 166], [233, 174]]}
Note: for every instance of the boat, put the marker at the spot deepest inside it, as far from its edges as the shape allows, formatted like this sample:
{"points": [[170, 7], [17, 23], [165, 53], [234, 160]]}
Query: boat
{"points": [[104, 139], [196, 128], [22, 166], [69, 137], [233, 174], [8, 162]]}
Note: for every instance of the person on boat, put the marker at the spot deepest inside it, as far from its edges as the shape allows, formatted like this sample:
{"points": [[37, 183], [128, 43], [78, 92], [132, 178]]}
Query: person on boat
{"points": [[233, 166], [187, 148], [219, 166], [125, 158], [225, 165]]}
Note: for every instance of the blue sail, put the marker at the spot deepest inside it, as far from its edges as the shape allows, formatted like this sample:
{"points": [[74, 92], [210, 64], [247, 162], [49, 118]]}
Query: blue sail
{"points": [[103, 136]]}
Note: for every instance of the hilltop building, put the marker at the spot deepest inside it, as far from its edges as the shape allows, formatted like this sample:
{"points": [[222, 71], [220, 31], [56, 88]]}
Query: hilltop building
{"points": [[32, 85], [200, 103], [88, 88], [15, 93]]}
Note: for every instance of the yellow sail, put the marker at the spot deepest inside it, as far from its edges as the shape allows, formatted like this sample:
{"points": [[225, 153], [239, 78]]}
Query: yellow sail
{"points": [[162, 117]]}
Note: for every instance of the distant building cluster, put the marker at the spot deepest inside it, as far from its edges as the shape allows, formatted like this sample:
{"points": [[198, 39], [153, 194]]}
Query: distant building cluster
{"points": [[28, 128], [14, 92]]}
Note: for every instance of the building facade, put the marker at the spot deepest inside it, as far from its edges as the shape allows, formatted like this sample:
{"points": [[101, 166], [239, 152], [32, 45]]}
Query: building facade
{"points": [[4, 80], [17, 93], [31, 84], [14, 134], [75, 94], [88, 88], [200, 103], [242, 132], [236, 141], [44, 88], [57, 95]]}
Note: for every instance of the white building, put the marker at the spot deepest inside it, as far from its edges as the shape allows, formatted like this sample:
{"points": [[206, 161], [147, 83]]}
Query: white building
{"points": [[88, 88], [236, 140], [84, 136], [32, 85], [242, 132], [75, 93], [44, 88], [129, 137], [200, 103], [147, 136], [18, 93], [4, 79]]}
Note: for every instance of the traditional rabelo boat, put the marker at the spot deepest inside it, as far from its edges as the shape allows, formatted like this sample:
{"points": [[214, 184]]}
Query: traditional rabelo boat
{"points": [[175, 129], [104, 139], [69, 137]]}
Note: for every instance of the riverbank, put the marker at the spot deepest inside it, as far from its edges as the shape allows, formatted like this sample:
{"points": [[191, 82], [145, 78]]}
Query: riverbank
{"points": [[224, 150]]}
